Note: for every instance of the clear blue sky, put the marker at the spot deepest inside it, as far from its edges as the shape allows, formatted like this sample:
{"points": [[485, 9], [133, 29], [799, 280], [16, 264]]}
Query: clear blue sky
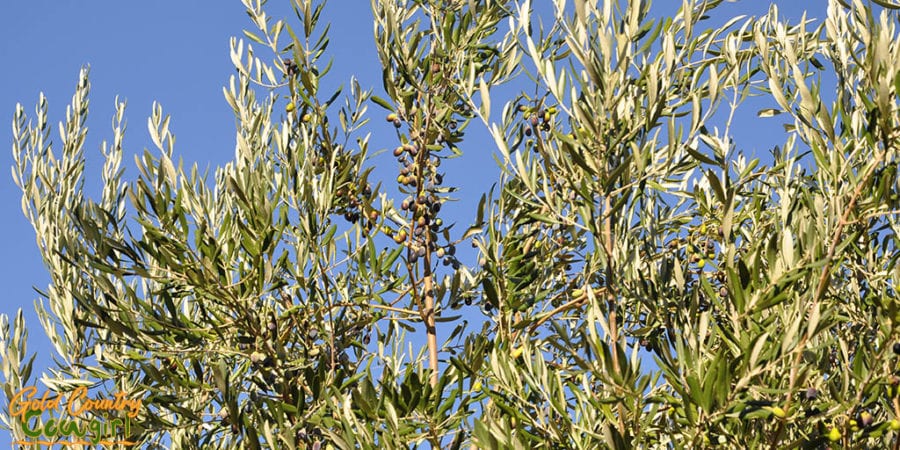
{"points": [[176, 52]]}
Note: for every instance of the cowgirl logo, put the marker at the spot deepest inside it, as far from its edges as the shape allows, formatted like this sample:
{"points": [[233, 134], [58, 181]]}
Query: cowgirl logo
{"points": [[74, 418]]}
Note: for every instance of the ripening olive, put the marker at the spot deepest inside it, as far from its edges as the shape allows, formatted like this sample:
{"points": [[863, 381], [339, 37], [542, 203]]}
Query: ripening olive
{"points": [[865, 419], [811, 393], [257, 357]]}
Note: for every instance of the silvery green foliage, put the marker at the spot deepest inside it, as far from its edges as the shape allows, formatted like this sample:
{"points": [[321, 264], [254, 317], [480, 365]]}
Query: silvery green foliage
{"points": [[647, 282]]}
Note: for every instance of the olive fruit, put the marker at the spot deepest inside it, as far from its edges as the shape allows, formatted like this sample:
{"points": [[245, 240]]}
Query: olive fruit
{"points": [[778, 412], [257, 357], [865, 419], [811, 393]]}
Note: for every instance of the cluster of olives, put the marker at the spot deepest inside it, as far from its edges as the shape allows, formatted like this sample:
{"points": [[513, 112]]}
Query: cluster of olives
{"points": [[394, 119], [700, 247], [467, 300], [537, 119], [290, 68], [406, 155], [419, 171], [352, 202], [424, 228]]}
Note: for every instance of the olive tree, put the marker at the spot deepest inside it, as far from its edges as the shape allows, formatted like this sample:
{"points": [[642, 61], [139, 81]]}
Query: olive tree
{"points": [[643, 280]]}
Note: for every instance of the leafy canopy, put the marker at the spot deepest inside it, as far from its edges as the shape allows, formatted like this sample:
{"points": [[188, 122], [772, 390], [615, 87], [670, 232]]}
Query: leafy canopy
{"points": [[641, 280]]}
